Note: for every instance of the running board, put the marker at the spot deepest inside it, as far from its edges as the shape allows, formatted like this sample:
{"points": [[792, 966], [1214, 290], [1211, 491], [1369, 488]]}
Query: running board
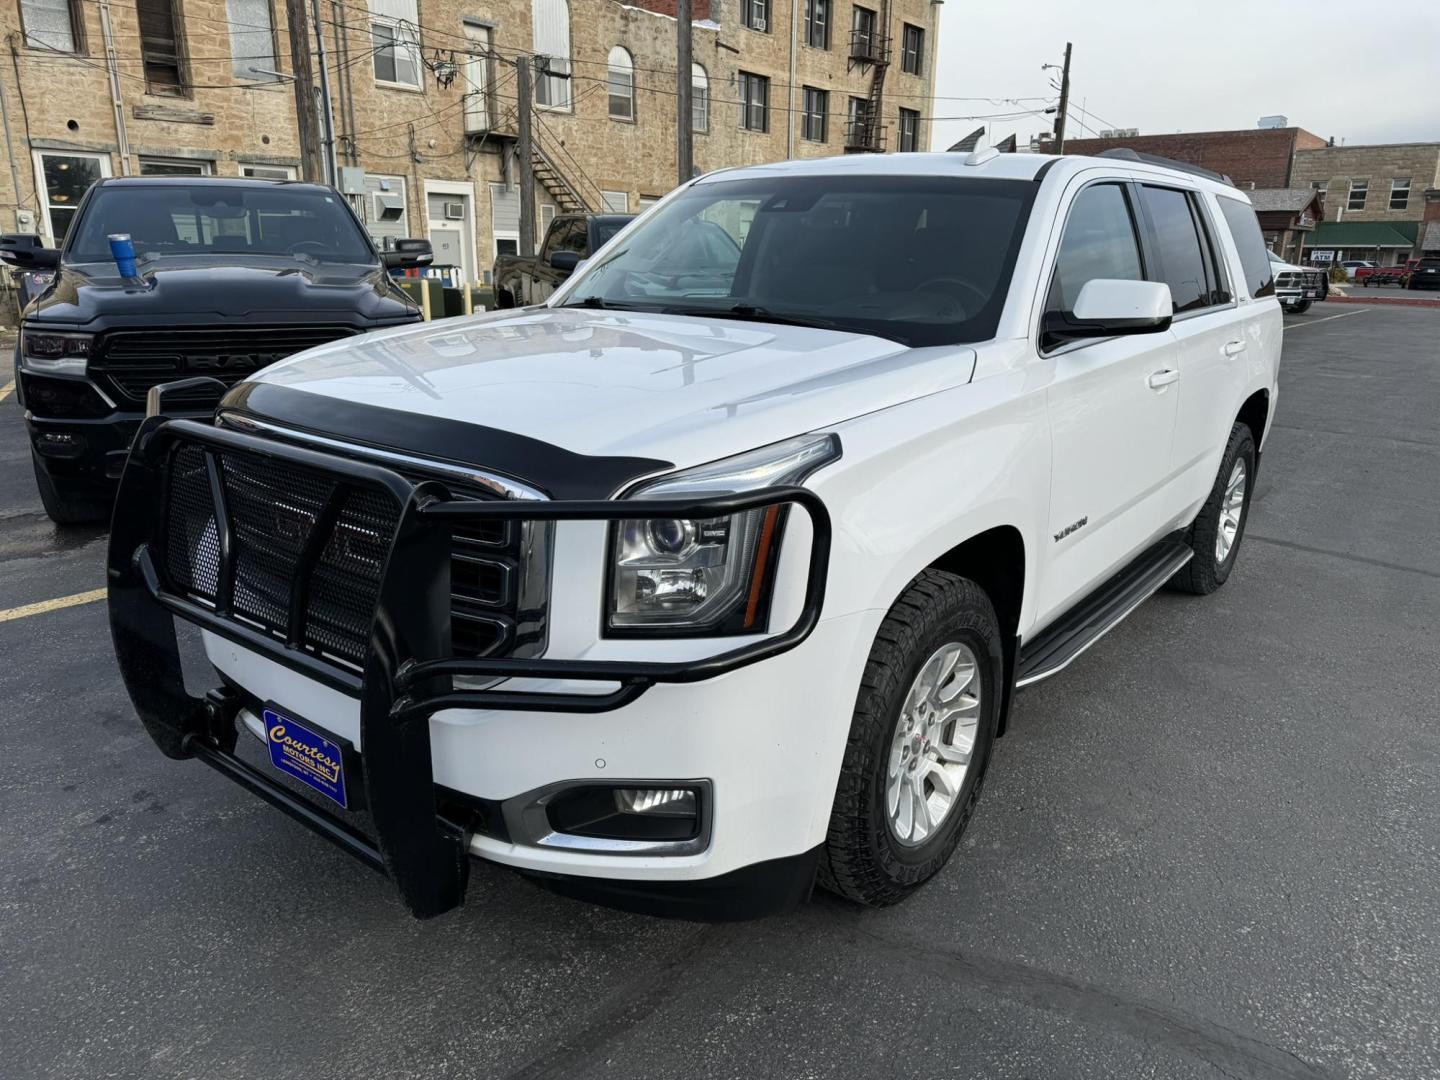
{"points": [[1100, 612]]}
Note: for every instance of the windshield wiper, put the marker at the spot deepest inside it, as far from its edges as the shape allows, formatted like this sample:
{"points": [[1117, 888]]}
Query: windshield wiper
{"points": [[601, 302], [752, 313]]}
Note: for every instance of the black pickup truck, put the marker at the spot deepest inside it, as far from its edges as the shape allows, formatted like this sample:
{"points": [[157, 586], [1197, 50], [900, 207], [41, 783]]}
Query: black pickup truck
{"points": [[230, 276], [522, 280]]}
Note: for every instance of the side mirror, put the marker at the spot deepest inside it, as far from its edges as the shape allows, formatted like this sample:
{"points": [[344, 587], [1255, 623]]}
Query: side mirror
{"points": [[410, 252], [565, 261], [28, 251], [1111, 307]]}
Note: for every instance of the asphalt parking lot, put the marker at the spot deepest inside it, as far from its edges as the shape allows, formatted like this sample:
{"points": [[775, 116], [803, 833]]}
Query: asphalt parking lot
{"points": [[1211, 848]]}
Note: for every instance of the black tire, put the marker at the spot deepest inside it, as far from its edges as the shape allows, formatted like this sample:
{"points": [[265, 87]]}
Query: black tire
{"points": [[66, 507], [504, 298], [1206, 572], [1300, 308], [862, 860]]}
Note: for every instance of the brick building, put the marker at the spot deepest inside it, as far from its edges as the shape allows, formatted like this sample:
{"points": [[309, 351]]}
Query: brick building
{"points": [[1255, 158], [424, 100], [1374, 198]]}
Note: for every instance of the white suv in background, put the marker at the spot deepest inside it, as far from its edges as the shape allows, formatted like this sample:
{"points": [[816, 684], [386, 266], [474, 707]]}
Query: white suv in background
{"points": [[715, 576]]}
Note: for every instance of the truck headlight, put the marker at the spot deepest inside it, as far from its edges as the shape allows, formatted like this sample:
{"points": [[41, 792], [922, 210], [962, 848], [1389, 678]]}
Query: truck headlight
{"points": [[708, 576], [54, 354]]}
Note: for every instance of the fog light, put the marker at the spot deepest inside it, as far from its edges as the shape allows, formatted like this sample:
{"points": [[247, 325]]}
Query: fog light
{"points": [[659, 802], [600, 811], [59, 445]]}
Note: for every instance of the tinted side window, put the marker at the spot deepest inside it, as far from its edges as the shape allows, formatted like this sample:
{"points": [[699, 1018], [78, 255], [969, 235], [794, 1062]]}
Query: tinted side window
{"points": [[577, 238], [1099, 242], [551, 243], [1250, 243], [1178, 248]]}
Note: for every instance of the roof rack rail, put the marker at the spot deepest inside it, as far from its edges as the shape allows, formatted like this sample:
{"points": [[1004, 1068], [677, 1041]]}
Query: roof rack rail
{"points": [[1169, 163]]}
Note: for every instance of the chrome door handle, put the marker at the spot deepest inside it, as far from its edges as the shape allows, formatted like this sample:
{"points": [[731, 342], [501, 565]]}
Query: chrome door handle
{"points": [[1234, 348], [1158, 380]]}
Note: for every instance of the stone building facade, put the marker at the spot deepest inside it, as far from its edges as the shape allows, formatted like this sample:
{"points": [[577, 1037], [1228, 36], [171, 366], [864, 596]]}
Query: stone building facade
{"points": [[1384, 182], [424, 102]]}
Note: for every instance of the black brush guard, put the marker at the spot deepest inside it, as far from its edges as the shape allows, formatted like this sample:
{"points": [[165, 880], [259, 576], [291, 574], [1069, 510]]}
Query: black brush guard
{"points": [[408, 673]]}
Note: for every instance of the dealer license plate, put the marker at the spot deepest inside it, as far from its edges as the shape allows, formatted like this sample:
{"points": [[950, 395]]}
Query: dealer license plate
{"points": [[306, 754]]}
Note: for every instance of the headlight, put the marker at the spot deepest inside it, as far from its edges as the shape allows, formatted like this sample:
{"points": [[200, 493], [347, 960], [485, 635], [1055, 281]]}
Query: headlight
{"points": [[54, 354], [713, 575]]}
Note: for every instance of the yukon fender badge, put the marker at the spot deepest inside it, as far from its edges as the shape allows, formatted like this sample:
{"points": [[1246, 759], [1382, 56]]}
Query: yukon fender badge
{"points": [[1068, 529]]}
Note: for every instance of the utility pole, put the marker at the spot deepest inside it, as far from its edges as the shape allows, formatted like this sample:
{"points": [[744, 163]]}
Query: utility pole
{"points": [[306, 118], [684, 123], [525, 152], [327, 118], [1064, 103]]}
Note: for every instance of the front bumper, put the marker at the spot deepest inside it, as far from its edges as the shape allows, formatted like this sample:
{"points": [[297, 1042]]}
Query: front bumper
{"points": [[407, 694]]}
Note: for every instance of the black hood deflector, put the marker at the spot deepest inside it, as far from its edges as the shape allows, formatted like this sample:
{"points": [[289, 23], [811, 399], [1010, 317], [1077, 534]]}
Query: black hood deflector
{"points": [[560, 473]]}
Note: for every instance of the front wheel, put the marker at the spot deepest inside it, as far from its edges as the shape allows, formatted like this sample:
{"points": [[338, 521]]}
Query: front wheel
{"points": [[920, 739], [1300, 308], [1218, 529]]}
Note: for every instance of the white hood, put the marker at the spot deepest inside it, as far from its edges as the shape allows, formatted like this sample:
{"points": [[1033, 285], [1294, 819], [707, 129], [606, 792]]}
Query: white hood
{"points": [[682, 389]]}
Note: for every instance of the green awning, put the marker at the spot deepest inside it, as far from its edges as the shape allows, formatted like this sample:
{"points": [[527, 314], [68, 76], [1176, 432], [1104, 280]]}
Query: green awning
{"points": [[1363, 234]]}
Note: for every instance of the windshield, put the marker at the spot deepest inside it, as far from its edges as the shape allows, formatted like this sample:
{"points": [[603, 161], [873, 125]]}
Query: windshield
{"points": [[214, 219], [920, 260]]}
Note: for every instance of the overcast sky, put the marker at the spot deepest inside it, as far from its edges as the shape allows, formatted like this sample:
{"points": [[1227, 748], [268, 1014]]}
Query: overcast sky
{"points": [[1358, 70]]}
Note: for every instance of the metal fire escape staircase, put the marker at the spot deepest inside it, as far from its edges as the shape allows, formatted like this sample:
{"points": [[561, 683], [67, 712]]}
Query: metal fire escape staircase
{"points": [[870, 48], [555, 169]]}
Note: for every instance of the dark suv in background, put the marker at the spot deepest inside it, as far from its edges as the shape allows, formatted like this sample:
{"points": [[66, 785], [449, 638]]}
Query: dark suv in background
{"points": [[231, 275]]}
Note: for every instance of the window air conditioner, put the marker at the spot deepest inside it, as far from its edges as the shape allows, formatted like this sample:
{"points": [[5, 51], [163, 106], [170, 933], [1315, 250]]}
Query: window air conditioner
{"points": [[389, 206], [454, 211]]}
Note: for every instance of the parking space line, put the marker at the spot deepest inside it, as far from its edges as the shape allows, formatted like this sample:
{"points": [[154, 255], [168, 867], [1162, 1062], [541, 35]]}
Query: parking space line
{"points": [[1328, 318], [41, 607], [6, 389]]}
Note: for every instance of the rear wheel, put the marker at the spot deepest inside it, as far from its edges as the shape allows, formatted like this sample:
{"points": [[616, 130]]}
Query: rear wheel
{"points": [[920, 740], [1218, 529], [68, 505]]}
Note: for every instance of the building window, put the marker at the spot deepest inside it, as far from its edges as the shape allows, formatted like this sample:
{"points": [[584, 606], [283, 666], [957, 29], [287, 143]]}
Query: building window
{"points": [[615, 202], [863, 42], [475, 70], [1399, 194], [857, 116], [252, 39], [909, 131], [621, 80], [912, 50], [817, 108], [150, 166], [60, 181], [817, 24], [699, 99], [1359, 189], [53, 24], [269, 172], [754, 102], [551, 38], [757, 15], [161, 45], [394, 29]]}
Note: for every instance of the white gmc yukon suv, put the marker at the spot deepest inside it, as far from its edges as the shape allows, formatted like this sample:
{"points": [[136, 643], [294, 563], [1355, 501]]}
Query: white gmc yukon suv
{"points": [[713, 577]]}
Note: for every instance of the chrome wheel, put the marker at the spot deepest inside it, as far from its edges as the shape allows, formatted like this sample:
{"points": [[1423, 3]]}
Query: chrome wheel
{"points": [[1232, 506], [933, 744]]}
